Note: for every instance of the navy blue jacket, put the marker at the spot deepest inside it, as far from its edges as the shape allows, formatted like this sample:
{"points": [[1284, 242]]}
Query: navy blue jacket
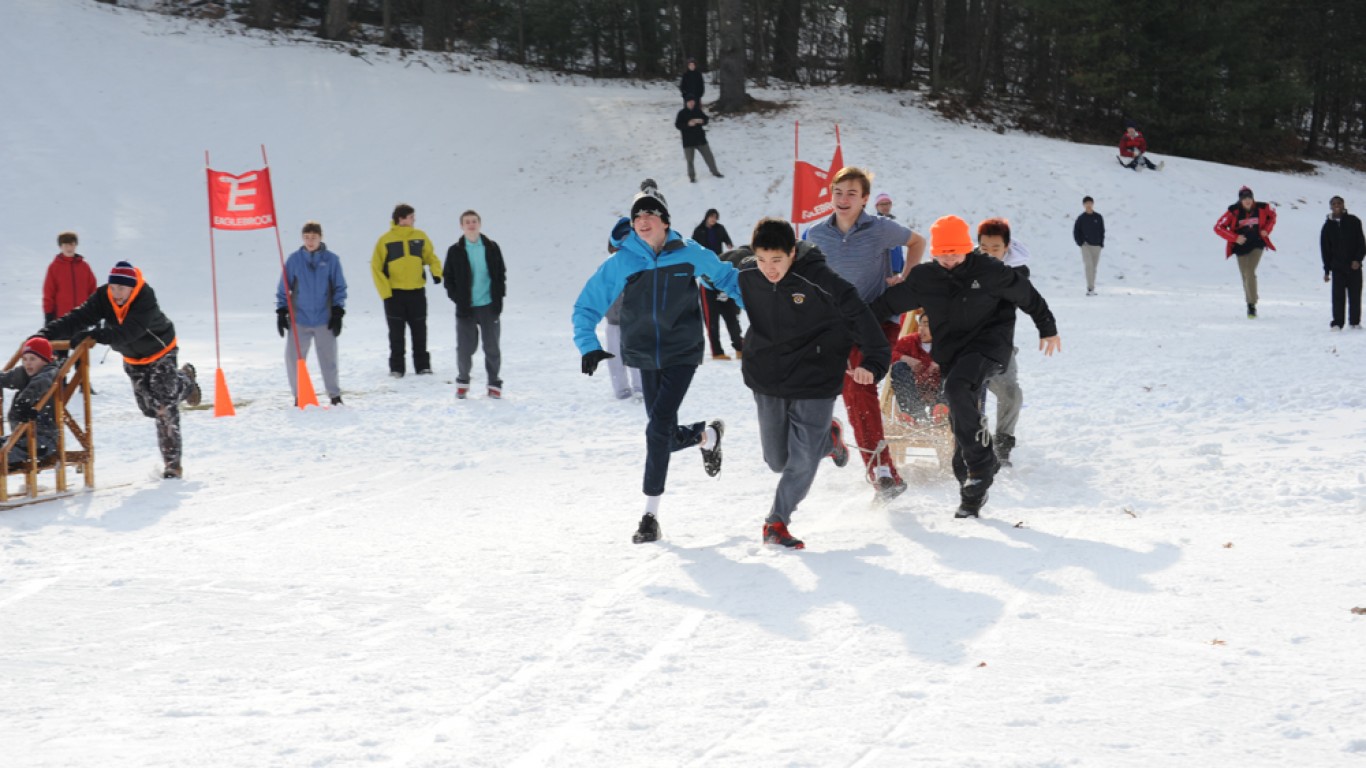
{"points": [[1089, 229], [661, 318]]}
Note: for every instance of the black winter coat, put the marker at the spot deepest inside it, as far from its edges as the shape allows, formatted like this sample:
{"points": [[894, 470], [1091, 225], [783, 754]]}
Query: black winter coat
{"points": [[693, 135], [459, 277], [692, 86], [31, 390], [802, 328], [1341, 243], [971, 307], [1089, 229], [713, 239], [144, 331]]}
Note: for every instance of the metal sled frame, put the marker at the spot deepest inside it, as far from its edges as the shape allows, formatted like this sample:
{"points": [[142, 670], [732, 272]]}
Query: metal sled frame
{"points": [[918, 440], [60, 395]]}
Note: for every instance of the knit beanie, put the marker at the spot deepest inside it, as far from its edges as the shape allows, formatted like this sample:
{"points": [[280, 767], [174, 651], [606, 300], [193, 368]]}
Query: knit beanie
{"points": [[1245, 192], [949, 235], [650, 200], [123, 273], [882, 198], [38, 346]]}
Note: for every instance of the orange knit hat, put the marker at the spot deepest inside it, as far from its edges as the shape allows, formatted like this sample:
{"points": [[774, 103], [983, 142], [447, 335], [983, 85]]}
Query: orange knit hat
{"points": [[949, 235]]}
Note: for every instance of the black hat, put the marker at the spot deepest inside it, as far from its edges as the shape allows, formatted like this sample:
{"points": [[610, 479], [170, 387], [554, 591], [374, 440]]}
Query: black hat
{"points": [[1245, 192], [650, 200]]}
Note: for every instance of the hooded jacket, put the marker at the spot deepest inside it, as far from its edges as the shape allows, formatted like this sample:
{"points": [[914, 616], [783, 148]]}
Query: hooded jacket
{"points": [[693, 135], [459, 276], [316, 285], [69, 282], [802, 327], [971, 308], [1250, 224], [1341, 243], [400, 260], [661, 318], [31, 390], [138, 330]]}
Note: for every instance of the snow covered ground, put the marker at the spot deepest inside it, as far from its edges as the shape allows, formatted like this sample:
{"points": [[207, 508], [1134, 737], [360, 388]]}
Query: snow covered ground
{"points": [[1165, 577]]}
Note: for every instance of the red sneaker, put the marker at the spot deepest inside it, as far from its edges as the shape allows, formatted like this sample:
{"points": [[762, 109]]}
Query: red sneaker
{"points": [[495, 393], [461, 391], [940, 414], [840, 452], [778, 535]]}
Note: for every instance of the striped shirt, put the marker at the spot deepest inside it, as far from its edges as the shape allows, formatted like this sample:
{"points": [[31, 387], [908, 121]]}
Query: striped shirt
{"points": [[860, 255]]}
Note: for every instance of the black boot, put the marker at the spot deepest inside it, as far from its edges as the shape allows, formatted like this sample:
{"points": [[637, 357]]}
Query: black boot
{"points": [[648, 530]]}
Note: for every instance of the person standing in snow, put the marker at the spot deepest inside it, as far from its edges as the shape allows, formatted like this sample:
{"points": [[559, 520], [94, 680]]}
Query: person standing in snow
{"points": [[399, 266], [855, 245], [69, 281], [1089, 234], [317, 291], [993, 239], [970, 300], [476, 281], [712, 235], [1343, 248], [1133, 146], [691, 122], [125, 315], [33, 377], [1247, 225], [804, 319], [691, 86], [661, 334], [896, 257]]}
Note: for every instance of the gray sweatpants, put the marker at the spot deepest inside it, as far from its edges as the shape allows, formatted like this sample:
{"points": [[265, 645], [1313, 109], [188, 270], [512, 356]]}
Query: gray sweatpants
{"points": [[482, 324], [1090, 258], [1247, 269], [795, 435], [1006, 387], [327, 356], [706, 155]]}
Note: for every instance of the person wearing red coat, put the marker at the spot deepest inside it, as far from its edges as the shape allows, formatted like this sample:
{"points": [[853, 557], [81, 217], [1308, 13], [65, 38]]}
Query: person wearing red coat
{"points": [[1247, 225], [1133, 145], [69, 281], [915, 375]]}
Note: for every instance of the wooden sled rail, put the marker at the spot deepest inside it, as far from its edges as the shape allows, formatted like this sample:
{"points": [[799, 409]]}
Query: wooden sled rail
{"points": [[76, 368]]}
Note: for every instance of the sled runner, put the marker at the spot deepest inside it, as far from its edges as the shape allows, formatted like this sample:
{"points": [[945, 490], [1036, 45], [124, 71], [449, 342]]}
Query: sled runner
{"points": [[59, 395]]}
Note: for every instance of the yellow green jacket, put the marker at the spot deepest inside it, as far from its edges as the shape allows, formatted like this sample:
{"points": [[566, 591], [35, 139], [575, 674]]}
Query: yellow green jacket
{"points": [[399, 258]]}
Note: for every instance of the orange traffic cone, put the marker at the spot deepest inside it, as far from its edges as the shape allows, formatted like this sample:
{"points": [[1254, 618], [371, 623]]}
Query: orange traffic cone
{"points": [[222, 401], [306, 396]]}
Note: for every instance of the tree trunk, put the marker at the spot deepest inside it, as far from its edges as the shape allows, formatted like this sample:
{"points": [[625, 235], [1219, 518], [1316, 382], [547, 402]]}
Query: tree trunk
{"points": [[732, 55], [434, 25], [263, 14], [387, 21], [336, 21], [934, 29], [894, 45], [693, 20], [787, 34]]}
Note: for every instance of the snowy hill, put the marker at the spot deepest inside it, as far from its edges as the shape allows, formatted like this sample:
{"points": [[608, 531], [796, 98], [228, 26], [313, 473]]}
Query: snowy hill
{"points": [[1164, 578]]}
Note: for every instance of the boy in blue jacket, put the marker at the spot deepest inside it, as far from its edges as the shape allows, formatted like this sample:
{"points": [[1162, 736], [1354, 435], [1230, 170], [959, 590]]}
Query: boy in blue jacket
{"points": [[655, 273], [803, 321], [317, 291]]}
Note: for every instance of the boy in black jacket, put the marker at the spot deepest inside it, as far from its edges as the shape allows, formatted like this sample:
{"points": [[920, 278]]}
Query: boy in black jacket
{"points": [[803, 319], [970, 300], [476, 281], [124, 314], [33, 377]]}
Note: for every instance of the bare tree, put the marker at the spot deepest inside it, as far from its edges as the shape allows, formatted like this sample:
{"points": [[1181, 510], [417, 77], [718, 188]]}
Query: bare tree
{"points": [[263, 14], [387, 20], [336, 21], [732, 55]]}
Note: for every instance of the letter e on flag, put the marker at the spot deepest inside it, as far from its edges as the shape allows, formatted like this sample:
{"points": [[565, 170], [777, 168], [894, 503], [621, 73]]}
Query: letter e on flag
{"points": [[241, 202], [810, 192]]}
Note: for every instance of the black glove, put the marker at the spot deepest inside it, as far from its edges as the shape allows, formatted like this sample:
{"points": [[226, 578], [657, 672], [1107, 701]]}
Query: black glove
{"points": [[83, 334], [436, 279], [591, 360], [49, 317], [282, 320], [334, 324]]}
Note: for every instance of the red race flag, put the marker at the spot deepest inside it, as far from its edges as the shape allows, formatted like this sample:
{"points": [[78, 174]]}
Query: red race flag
{"points": [[810, 192], [241, 202]]}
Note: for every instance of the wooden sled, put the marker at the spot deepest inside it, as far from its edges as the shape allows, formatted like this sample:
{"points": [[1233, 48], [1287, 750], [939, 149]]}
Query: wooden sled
{"points": [[908, 441], [60, 394]]}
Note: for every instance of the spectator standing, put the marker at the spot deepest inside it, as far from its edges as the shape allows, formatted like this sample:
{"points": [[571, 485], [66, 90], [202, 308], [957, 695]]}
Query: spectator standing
{"points": [[691, 124], [712, 235], [1089, 234], [399, 266], [317, 291], [476, 280], [1343, 249]]}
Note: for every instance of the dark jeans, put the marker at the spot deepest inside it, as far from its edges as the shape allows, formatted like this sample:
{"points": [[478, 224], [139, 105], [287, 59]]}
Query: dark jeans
{"points": [[407, 309], [664, 391], [964, 388], [1346, 296], [717, 311]]}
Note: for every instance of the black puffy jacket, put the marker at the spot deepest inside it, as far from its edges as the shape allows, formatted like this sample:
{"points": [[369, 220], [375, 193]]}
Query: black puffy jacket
{"points": [[802, 328], [459, 276], [971, 307], [143, 332]]}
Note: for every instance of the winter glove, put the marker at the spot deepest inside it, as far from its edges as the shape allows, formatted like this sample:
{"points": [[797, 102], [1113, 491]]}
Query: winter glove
{"points": [[49, 317], [282, 320], [591, 360], [436, 279], [335, 323], [86, 333]]}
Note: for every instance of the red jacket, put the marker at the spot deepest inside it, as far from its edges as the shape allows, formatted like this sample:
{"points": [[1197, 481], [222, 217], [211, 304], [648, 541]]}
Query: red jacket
{"points": [[1235, 218], [1128, 144], [69, 283], [910, 346]]}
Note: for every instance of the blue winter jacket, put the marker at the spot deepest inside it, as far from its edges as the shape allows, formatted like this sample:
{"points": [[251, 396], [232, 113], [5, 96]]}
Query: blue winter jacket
{"points": [[317, 285], [661, 318]]}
